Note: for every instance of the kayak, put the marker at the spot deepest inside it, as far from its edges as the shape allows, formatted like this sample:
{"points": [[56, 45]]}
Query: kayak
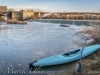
{"points": [[66, 57]]}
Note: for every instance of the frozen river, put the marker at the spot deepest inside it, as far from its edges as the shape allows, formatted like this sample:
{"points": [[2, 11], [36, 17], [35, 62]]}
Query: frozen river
{"points": [[23, 44]]}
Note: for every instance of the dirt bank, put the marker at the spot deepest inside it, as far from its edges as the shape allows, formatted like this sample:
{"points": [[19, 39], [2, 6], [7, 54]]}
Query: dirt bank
{"points": [[16, 22], [90, 65]]}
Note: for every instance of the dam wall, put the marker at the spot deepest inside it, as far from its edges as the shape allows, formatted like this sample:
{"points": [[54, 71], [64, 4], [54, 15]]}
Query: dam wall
{"points": [[71, 22]]}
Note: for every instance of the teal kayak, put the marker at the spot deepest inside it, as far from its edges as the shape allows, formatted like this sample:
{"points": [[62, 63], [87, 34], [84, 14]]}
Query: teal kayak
{"points": [[66, 57]]}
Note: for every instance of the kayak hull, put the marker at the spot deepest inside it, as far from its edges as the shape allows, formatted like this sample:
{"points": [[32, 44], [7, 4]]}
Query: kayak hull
{"points": [[67, 57]]}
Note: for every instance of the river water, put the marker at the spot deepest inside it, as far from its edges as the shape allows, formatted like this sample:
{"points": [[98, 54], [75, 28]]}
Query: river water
{"points": [[23, 44]]}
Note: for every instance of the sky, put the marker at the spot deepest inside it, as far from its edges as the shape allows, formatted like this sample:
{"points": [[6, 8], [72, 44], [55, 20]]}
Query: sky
{"points": [[55, 5]]}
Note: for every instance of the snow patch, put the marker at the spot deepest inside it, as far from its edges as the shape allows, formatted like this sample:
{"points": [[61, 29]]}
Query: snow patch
{"points": [[19, 64], [11, 65], [45, 15]]}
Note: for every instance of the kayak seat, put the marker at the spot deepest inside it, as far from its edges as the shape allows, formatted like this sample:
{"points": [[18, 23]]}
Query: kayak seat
{"points": [[71, 53]]}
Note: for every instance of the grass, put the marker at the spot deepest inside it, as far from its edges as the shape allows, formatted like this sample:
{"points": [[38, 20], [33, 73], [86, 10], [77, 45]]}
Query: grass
{"points": [[94, 32], [94, 61], [91, 63]]}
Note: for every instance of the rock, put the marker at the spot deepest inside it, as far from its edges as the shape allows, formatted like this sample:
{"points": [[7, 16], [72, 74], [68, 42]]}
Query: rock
{"points": [[64, 25]]}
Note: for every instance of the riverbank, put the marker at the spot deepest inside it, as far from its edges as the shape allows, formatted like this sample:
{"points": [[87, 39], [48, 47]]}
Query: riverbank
{"points": [[16, 22], [91, 63]]}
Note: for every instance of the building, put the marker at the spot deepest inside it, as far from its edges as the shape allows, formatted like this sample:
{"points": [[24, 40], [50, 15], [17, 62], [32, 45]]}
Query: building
{"points": [[3, 10], [25, 15], [21, 15]]}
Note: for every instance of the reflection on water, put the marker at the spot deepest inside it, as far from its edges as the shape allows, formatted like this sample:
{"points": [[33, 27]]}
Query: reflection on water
{"points": [[53, 70], [23, 44]]}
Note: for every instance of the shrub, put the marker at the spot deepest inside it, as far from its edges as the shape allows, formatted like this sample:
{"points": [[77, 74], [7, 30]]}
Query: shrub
{"points": [[94, 31]]}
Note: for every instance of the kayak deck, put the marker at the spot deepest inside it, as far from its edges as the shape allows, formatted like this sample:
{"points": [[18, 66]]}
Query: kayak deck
{"points": [[72, 52]]}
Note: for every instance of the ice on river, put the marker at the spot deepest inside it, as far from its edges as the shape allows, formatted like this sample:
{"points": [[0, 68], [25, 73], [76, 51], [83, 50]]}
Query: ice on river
{"points": [[22, 44]]}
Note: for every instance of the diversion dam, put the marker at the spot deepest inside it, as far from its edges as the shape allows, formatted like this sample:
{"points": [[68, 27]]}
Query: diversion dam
{"points": [[71, 22]]}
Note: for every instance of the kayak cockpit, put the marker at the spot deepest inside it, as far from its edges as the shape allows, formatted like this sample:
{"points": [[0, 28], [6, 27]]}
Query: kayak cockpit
{"points": [[72, 52]]}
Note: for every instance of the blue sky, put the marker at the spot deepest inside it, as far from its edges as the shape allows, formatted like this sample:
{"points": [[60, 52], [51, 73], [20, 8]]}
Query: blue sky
{"points": [[55, 5]]}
